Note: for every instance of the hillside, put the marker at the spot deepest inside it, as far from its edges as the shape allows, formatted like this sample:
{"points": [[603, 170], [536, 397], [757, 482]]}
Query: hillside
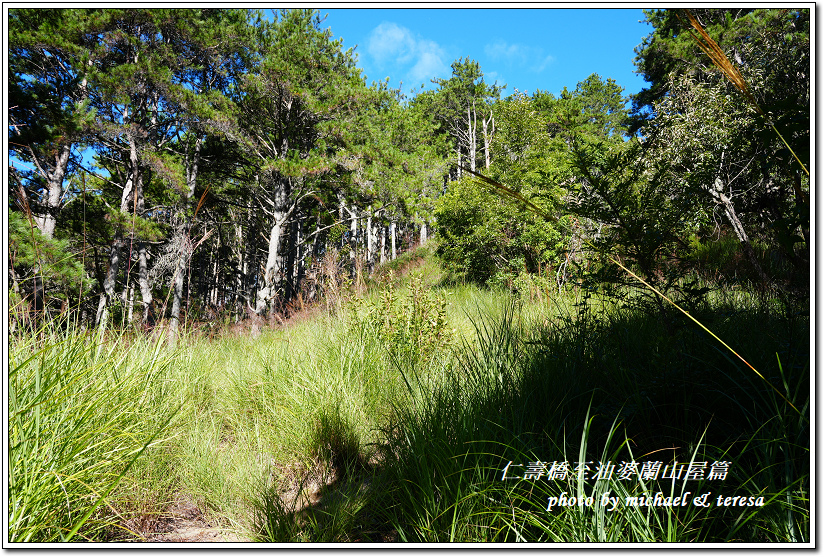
{"points": [[419, 411]]}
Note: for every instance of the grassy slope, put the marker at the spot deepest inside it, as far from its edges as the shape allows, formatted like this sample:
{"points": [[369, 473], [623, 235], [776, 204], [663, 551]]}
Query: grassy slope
{"points": [[412, 449]]}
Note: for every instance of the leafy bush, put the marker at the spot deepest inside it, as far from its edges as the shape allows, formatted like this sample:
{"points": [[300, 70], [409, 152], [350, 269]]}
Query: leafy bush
{"points": [[481, 236], [412, 328]]}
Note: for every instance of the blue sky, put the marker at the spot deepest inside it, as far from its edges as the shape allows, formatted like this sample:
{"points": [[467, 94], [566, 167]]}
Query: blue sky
{"points": [[527, 49]]}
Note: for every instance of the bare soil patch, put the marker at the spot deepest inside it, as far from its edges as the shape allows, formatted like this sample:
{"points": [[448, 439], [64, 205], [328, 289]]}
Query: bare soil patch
{"points": [[184, 522]]}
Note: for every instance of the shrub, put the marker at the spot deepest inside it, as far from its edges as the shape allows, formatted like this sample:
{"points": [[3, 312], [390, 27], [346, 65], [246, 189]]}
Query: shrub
{"points": [[412, 328]]}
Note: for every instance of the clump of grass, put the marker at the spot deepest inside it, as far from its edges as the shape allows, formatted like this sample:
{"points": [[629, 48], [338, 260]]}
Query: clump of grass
{"points": [[335, 442], [80, 414]]}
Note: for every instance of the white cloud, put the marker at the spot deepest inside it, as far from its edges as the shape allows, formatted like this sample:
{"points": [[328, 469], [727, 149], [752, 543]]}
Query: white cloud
{"points": [[533, 58], [390, 44], [500, 50], [492, 77], [539, 67], [430, 62]]}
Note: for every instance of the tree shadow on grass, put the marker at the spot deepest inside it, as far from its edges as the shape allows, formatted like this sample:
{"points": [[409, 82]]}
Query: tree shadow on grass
{"points": [[525, 392]]}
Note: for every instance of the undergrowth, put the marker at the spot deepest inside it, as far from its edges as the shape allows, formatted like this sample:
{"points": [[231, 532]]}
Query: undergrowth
{"points": [[425, 413], [590, 391]]}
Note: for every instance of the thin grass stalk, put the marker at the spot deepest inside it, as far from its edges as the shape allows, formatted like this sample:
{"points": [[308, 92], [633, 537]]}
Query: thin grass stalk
{"points": [[510, 193], [720, 60], [685, 312]]}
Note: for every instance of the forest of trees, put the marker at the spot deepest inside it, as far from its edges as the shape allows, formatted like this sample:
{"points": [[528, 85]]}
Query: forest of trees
{"points": [[179, 164]]}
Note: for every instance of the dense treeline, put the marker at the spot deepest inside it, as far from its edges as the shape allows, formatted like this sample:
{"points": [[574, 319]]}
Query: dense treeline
{"points": [[212, 162], [697, 176], [201, 160]]}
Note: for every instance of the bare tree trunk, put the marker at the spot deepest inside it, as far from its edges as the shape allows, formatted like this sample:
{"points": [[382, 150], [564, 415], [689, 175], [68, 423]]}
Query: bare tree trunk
{"points": [[177, 283], [273, 266], [293, 256], [353, 228], [54, 175], [488, 133], [353, 237], [210, 294], [371, 242], [46, 221], [383, 244], [341, 217], [192, 163], [392, 231], [124, 296], [718, 192], [132, 195], [301, 253], [143, 281], [472, 122], [131, 304], [274, 263], [214, 290], [108, 294], [318, 239]]}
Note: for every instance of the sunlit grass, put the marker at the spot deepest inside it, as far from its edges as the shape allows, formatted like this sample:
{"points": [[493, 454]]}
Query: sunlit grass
{"points": [[313, 432], [80, 414]]}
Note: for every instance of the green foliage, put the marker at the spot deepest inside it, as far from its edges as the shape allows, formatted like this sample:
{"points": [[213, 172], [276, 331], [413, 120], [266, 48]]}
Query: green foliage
{"points": [[469, 238], [412, 329], [717, 138], [487, 240], [52, 260], [135, 226], [295, 107], [595, 108], [48, 107], [725, 145], [647, 221], [482, 237], [745, 33], [390, 155], [287, 128]]}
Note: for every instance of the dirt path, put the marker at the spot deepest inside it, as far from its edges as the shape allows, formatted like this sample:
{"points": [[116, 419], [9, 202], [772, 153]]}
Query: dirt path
{"points": [[183, 522]]}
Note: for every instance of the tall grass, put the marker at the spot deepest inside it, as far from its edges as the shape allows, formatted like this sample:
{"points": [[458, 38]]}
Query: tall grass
{"points": [[525, 394], [78, 421], [321, 432]]}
